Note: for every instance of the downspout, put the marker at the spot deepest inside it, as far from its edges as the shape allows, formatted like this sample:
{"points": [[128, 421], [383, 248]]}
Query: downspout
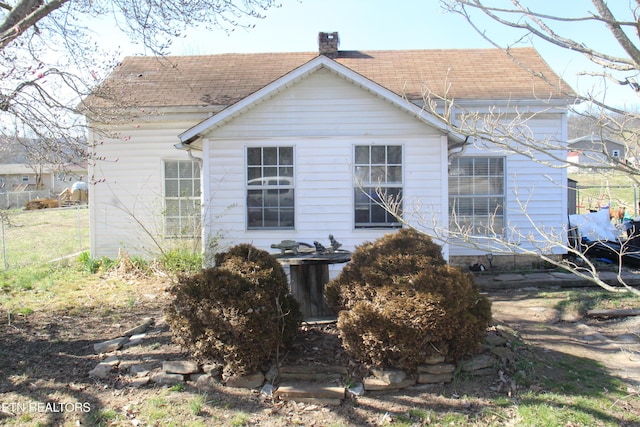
{"points": [[457, 150]]}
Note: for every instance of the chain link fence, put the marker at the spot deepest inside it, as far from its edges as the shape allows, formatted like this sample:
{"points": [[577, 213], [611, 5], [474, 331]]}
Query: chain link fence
{"points": [[18, 199], [40, 236]]}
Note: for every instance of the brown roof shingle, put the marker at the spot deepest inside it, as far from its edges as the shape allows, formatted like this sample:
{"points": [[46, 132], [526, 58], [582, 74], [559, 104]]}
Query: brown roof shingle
{"points": [[473, 74]]}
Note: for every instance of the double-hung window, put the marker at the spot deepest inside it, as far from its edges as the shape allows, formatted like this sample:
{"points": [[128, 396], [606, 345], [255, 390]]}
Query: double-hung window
{"points": [[182, 198], [270, 188], [476, 195], [378, 178]]}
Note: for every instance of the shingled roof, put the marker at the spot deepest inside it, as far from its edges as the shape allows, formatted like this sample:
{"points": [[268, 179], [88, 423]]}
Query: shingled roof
{"points": [[222, 80]]}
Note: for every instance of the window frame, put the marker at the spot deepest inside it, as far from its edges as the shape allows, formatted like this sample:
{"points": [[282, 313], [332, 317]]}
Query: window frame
{"points": [[389, 176], [475, 199], [270, 197], [188, 225]]}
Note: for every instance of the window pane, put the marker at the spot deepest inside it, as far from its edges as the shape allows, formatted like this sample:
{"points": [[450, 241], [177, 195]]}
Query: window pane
{"points": [[394, 155], [286, 156], [254, 156], [378, 154], [186, 169], [172, 188], [270, 156], [186, 188], [362, 155], [171, 169], [394, 174]]}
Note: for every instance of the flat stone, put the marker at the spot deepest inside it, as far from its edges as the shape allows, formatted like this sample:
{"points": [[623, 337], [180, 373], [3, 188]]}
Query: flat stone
{"points": [[184, 367], [434, 359], [389, 376], [504, 354], [482, 372], [211, 369], [112, 360], [627, 338], [303, 390], [101, 370], [146, 322], [206, 382], [138, 382], [494, 340], [167, 379], [426, 378], [109, 346], [139, 370], [376, 384], [294, 369], [312, 373], [509, 277], [246, 381], [441, 368], [479, 361]]}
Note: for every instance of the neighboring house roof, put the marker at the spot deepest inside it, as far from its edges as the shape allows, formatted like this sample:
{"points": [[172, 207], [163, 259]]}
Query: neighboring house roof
{"points": [[594, 142], [23, 169], [222, 80]]}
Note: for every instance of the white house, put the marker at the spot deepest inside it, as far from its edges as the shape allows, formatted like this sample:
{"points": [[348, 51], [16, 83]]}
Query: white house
{"points": [[264, 147]]}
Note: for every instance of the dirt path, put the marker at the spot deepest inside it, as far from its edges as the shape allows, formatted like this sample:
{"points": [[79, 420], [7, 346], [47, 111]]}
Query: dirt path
{"points": [[615, 342]]}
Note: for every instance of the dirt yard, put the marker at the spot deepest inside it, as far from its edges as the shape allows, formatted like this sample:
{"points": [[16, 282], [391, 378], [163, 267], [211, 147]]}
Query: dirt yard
{"points": [[45, 359]]}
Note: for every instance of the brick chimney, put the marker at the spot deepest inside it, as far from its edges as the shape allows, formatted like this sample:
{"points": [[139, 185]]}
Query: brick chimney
{"points": [[328, 44]]}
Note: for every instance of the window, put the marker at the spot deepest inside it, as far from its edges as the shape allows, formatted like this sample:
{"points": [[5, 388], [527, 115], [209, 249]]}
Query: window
{"points": [[378, 173], [270, 188], [615, 153], [476, 195], [182, 198], [25, 178]]}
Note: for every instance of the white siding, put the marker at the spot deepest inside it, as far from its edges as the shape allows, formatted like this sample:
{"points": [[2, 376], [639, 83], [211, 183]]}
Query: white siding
{"points": [[536, 194], [126, 187], [323, 118]]}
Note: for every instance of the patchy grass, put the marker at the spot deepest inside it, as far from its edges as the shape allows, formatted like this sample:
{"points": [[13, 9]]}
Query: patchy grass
{"points": [[36, 237], [578, 302], [598, 189], [553, 388]]}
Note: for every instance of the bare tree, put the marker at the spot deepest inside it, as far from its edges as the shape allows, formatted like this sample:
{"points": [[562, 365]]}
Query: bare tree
{"points": [[50, 59], [618, 65]]}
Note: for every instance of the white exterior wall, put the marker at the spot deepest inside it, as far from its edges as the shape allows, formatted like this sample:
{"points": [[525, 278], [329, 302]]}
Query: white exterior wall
{"points": [[323, 118], [536, 195], [127, 187]]}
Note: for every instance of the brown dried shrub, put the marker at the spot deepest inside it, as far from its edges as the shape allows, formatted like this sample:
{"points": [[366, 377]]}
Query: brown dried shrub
{"points": [[239, 313], [399, 303]]}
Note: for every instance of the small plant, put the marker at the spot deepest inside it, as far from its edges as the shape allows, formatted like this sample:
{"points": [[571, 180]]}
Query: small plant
{"points": [[239, 313], [92, 265], [195, 404], [177, 387], [239, 420], [181, 261]]}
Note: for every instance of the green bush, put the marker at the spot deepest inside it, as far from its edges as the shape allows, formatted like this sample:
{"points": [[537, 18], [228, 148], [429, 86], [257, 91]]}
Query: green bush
{"points": [[181, 261], [239, 313], [399, 303]]}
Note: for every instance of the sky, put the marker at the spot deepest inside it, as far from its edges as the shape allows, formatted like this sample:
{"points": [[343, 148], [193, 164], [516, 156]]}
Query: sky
{"points": [[397, 25]]}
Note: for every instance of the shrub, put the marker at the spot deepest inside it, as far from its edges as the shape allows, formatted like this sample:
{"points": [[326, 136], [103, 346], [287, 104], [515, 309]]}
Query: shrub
{"points": [[239, 313], [399, 303]]}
